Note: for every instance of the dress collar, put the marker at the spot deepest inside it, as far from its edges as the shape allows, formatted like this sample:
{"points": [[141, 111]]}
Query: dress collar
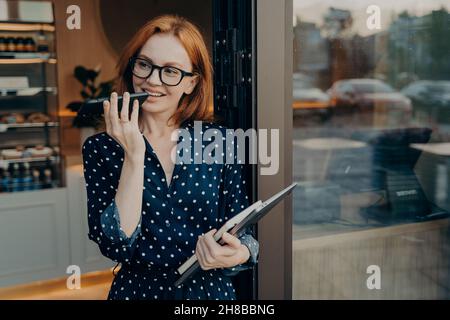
{"points": [[185, 125]]}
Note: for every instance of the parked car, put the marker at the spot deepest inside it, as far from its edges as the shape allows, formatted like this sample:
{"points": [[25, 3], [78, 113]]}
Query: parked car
{"points": [[370, 96], [308, 100], [430, 97]]}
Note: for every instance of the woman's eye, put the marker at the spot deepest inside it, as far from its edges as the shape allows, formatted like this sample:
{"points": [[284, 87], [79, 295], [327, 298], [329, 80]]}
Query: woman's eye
{"points": [[143, 65], [171, 72]]}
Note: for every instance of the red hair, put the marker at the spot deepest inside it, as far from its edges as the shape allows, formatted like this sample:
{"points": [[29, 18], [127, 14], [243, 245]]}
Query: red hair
{"points": [[198, 104]]}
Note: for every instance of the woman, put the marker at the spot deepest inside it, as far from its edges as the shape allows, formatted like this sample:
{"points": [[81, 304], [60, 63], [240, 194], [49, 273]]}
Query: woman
{"points": [[144, 211]]}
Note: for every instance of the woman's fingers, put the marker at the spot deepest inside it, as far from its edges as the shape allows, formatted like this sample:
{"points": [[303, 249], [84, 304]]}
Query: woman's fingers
{"points": [[125, 107], [209, 259], [135, 112], [201, 254], [113, 113], [231, 240], [106, 110], [215, 249]]}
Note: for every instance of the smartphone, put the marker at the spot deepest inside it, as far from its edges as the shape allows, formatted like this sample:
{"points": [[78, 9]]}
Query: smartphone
{"points": [[95, 106]]}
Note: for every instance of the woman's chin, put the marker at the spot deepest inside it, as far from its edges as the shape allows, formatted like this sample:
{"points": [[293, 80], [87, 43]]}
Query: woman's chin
{"points": [[152, 107]]}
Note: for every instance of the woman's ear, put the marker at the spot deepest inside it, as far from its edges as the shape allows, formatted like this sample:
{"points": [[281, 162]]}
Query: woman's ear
{"points": [[191, 84]]}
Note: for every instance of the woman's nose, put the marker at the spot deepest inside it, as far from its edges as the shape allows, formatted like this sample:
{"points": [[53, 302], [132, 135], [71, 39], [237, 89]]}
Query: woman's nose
{"points": [[154, 78]]}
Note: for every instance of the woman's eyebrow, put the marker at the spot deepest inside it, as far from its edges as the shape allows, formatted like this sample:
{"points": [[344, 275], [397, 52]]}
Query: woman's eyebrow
{"points": [[170, 63]]}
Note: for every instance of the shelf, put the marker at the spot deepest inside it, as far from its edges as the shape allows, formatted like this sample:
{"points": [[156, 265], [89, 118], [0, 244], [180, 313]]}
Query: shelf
{"points": [[34, 159], [27, 61], [55, 182], [6, 126], [4, 26], [24, 55], [25, 92], [30, 85]]}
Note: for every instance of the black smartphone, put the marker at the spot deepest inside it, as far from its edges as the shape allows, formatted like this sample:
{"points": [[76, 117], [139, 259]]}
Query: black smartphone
{"points": [[95, 106]]}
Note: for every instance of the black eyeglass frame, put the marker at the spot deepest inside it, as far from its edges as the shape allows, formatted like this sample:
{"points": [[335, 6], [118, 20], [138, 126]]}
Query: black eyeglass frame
{"points": [[132, 61]]}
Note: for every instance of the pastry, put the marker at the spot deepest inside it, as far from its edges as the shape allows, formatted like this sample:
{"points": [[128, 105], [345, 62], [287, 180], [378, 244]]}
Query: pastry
{"points": [[40, 151], [38, 117], [13, 118], [11, 154]]}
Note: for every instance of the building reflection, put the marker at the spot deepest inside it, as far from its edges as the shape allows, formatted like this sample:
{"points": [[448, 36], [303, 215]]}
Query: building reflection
{"points": [[371, 155]]}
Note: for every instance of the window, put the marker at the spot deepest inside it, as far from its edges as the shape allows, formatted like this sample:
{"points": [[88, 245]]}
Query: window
{"points": [[371, 150]]}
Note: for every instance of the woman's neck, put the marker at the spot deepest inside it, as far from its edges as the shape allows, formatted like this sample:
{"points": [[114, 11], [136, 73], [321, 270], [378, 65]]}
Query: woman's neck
{"points": [[156, 126]]}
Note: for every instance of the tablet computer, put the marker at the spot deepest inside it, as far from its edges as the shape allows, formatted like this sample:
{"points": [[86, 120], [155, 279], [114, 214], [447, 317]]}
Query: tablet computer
{"points": [[260, 211], [257, 211]]}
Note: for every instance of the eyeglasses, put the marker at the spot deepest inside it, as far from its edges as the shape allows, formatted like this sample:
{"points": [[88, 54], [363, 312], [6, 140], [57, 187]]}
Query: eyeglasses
{"points": [[170, 76]]}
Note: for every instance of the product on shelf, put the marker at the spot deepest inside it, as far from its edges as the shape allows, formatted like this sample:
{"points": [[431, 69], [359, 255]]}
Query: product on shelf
{"points": [[2, 44], [35, 117], [21, 152], [10, 44], [38, 117], [5, 179], [30, 45], [27, 178], [21, 44], [11, 154], [15, 177], [48, 182], [13, 118], [36, 180], [40, 151], [42, 44]]}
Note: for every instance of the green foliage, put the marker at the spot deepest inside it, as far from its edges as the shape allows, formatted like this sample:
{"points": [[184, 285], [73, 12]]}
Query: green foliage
{"points": [[90, 90]]}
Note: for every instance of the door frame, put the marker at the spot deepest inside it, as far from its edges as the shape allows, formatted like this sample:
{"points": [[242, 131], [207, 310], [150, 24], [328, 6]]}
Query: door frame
{"points": [[274, 111]]}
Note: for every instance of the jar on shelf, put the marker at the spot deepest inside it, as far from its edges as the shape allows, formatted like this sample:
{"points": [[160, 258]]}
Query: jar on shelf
{"points": [[36, 179], [20, 45], [2, 44], [30, 45], [42, 44], [6, 178], [11, 44], [7, 41]]}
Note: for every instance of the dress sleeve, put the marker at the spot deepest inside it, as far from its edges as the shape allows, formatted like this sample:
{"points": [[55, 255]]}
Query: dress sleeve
{"points": [[103, 215], [235, 200]]}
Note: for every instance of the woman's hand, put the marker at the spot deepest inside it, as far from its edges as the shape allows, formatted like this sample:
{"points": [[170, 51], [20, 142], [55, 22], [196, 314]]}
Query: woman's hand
{"points": [[124, 130], [212, 255]]}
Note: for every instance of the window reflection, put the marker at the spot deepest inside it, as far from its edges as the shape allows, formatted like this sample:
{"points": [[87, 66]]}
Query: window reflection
{"points": [[371, 150]]}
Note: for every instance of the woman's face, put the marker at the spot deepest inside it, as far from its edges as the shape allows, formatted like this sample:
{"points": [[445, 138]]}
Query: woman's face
{"points": [[164, 50]]}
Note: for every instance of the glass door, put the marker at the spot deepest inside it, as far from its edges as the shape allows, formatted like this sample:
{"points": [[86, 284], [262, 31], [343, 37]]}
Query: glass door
{"points": [[371, 142]]}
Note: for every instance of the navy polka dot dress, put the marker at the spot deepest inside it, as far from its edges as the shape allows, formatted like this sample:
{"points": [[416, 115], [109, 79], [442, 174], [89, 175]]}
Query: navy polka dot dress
{"points": [[200, 197]]}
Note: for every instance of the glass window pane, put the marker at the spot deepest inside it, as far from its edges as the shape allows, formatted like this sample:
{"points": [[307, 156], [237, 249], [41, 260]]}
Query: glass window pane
{"points": [[371, 105]]}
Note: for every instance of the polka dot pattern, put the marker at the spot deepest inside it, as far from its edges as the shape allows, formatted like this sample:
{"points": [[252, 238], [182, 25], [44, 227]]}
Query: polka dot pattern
{"points": [[199, 197]]}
